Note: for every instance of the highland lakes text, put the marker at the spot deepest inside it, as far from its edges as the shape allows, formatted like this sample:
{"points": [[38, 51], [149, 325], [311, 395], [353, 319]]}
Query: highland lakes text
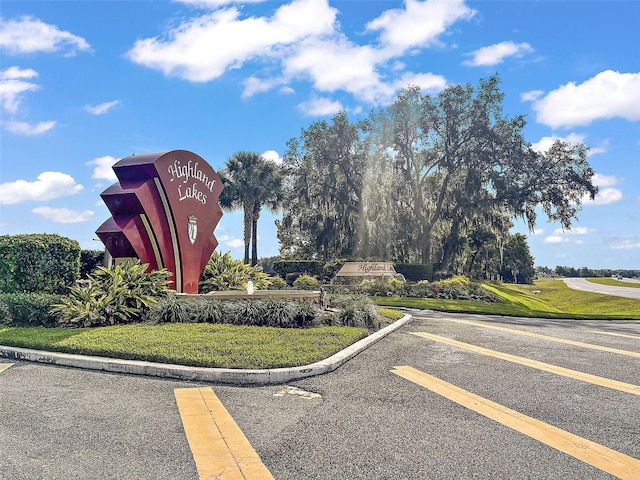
{"points": [[188, 172]]}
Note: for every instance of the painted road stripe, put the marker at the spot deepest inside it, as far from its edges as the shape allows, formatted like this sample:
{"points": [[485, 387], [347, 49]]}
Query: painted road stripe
{"points": [[615, 334], [545, 337], [547, 367], [4, 366], [219, 447], [606, 459]]}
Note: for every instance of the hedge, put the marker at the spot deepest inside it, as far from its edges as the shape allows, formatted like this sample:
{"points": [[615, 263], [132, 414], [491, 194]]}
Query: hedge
{"points": [[38, 263], [28, 309], [89, 261], [414, 272], [308, 267]]}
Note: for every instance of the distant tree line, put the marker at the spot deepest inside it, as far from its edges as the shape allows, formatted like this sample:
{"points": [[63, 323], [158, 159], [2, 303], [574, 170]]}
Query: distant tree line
{"points": [[585, 272]]}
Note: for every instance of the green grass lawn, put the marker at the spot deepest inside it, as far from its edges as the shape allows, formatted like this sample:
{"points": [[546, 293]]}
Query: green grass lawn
{"points": [[613, 282], [201, 344], [552, 300]]}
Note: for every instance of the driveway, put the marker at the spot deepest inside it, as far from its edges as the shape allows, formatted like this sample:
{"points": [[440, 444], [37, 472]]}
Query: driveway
{"points": [[445, 396], [587, 286]]}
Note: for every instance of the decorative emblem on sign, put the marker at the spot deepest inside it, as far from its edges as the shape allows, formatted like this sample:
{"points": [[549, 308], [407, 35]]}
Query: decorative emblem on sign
{"points": [[156, 196], [192, 228]]}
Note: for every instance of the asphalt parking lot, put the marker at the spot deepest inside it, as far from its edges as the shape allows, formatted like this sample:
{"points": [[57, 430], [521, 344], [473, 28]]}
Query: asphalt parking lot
{"points": [[445, 396]]}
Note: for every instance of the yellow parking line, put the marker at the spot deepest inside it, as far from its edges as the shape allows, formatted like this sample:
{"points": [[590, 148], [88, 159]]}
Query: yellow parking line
{"points": [[547, 367], [220, 449], [545, 337], [599, 456], [615, 334], [4, 366]]}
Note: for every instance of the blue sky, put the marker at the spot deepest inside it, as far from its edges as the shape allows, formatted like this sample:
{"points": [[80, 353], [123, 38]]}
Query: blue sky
{"points": [[85, 83]]}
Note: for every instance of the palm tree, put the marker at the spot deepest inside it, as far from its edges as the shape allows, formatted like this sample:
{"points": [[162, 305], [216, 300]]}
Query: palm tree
{"points": [[250, 182]]}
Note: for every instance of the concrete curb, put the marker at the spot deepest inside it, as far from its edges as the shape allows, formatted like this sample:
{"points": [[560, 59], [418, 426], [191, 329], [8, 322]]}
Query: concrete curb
{"points": [[202, 374]]}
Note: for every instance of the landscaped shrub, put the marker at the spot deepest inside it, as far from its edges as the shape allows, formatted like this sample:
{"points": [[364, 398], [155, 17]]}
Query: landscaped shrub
{"points": [[28, 309], [246, 312], [455, 288], [277, 283], [331, 268], [224, 273], [279, 313], [118, 295], [309, 267], [90, 260], [270, 312], [5, 314], [306, 282], [38, 263], [414, 272]]}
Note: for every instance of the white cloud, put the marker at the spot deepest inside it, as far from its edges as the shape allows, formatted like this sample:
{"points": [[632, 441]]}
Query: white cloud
{"points": [[13, 84], [428, 82], [24, 128], [573, 231], [102, 168], [319, 107], [338, 64], [418, 24], [555, 239], [545, 143], [495, 54], [605, 180], [597, 150], [303, 39], [102, 108], [253, 85], [190, 50], [531, 96], [607, 95], [30, 35], [272, 156], [64, 215], [48, 186], [537, 231], [232, 242], [627, 242], [605, 196]]}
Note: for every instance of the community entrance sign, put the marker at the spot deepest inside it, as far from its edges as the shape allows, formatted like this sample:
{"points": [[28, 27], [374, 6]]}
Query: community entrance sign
{"points": [[164, 211], [357, 271]]}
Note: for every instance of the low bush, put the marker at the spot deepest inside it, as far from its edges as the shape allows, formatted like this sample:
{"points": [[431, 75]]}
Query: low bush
{"points": [[224, 273], [118, 295], [272, 312], [28, 309], [306, 282], [43, 263], [455, 288], [277, 283]]}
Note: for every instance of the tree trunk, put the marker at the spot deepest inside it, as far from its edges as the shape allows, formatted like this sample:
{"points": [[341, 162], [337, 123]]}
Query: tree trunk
{"points": [[254, 241], [247, 231]]}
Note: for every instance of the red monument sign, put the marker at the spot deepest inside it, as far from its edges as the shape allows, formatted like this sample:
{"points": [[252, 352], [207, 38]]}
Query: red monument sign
{"points": [[164, 211]]}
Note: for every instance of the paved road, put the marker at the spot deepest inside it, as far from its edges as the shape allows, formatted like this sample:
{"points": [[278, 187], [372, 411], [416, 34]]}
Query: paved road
{"points": [[363, 421], [587, 286]]}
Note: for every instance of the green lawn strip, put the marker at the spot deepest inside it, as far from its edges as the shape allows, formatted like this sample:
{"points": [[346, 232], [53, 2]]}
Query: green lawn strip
{"points": [[556, 293], [613, 282], [204, 345], [554, 300], [389, 314]]}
